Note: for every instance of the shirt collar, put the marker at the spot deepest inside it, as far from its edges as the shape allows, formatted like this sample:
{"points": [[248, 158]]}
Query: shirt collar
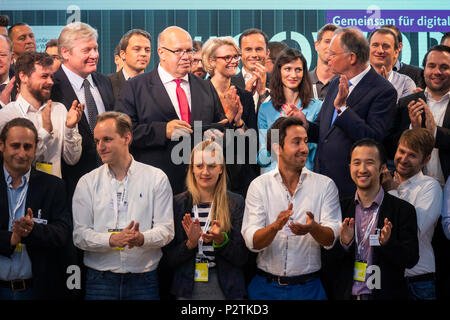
{"points": [[397, 66], [125, 74], [356, 79], [130, 171], [6, 81], [417, 177], [277, 175], [8, 177], [26, 107], [313, 76], [167, 77], [377, 201], [75, 79], [429, 96]]}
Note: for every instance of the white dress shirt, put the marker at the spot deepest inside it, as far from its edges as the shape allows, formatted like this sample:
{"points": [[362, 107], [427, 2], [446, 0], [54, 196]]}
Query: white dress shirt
{"points": [[77, 84], [171, 88], [425, 194], [433, 167], [63, 141], [148, 201], [267, 196]]}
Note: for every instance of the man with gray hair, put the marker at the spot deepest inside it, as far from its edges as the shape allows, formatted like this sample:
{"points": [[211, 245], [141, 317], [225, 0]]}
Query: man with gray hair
{"points": [[135, 51], [77, 79], [358, 105], [6, 84]]}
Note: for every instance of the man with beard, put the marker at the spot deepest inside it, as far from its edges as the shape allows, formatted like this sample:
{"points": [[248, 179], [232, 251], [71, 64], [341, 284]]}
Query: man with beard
{"points": [[57, 127], [290, 213], [425, 194], [197, 64]]}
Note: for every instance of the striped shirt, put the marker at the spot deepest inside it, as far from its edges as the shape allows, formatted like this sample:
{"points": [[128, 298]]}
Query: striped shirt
{"points": [[208, 250]]}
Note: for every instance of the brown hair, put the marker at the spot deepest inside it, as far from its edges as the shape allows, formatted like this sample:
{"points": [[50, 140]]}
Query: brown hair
{"points": [[27, 61], [419, 140], [123, 121]]}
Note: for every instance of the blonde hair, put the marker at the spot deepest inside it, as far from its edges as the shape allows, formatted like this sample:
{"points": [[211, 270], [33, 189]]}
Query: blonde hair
{"points": [[209, 50], [220, 210], [75, 31]]}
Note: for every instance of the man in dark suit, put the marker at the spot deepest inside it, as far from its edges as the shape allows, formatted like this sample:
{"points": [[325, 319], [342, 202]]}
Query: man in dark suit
{"points": [[350, 112], [160, 108], [135, 50], [253, 76], [378, 236], [411, 71], [34, 220], [77, 79], [6, 83]]}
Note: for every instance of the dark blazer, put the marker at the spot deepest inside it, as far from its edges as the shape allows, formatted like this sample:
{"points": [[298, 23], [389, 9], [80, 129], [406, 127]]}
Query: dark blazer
{"points": [[63, 92], [400, 252], [45, 243], [145, 99], [414, 73], [230, 258], [117, 80], [370, 108], [401, 123]]}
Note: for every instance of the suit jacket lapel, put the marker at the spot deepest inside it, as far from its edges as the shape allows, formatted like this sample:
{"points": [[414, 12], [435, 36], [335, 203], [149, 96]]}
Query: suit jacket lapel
{"points": [[33, 191], [328, 112], [195, 100], [361, 89], [158, 90], [4, 207], [446, 122], [102, 89]]}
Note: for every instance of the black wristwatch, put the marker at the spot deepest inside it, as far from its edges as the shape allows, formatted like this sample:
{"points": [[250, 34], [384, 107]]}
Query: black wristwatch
{"points": [[264, 95], [243, 124]]}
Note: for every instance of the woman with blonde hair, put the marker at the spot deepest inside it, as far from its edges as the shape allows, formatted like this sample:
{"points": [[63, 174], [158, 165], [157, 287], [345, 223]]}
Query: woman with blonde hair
{"points": [[220, 57], [208, 252]]}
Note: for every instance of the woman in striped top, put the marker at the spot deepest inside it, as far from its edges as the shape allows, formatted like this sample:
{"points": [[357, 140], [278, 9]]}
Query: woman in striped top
{"points": [[208, 252]]}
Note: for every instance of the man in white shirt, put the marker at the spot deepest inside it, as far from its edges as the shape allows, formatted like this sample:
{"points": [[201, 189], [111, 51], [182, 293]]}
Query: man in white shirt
{"points": [[57, 127], [290, 213], [425, 194], [122, 214]]}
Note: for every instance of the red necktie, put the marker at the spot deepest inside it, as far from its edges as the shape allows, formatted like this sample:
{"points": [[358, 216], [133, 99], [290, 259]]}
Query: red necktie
{"points": [[183, 102]]}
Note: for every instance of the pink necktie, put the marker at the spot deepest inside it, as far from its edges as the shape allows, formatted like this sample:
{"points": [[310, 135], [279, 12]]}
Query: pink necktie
{"points": [[183, 102]]}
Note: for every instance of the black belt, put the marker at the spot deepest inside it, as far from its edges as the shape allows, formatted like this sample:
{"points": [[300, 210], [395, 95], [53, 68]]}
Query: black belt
{"points": [[17, 285], [421, 277], [283, 281]]}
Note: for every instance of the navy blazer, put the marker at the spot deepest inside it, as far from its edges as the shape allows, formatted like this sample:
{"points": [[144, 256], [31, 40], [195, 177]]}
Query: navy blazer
{"points": [[230, 259], [46, 242], [400, 252], [145, 99], [370, 108], [63, 92]]}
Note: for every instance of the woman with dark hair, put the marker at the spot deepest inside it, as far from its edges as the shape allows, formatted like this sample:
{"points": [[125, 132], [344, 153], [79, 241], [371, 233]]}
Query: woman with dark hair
{"points": [[290, 91], [208, 252]]}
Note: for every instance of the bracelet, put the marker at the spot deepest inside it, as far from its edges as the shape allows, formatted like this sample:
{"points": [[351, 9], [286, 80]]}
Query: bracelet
{"points": [[215, 246], [243, 124]]}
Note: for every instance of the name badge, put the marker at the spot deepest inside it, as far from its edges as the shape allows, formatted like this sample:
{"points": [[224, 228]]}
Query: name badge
{"points": [[37, 220], [116, 231], [44, 166], [374, 241], [201, 271], [18, 248], [359, 273]]}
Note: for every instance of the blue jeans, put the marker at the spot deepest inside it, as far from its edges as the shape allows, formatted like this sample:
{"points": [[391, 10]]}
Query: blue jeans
{"points": [[8, 294], [422, 290], [105, 285], [260, 289]]}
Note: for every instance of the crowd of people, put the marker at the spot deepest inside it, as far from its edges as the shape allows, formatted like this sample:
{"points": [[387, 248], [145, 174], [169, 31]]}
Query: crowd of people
{"points": [[323, 184]]}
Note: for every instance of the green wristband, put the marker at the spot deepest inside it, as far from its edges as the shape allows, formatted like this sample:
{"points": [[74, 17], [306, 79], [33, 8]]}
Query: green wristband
{"points": [[223, 243]]}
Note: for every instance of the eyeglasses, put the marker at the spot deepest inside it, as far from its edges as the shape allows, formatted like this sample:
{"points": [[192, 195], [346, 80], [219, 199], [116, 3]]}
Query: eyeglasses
{"points": [[180, 52], [230, 58]]}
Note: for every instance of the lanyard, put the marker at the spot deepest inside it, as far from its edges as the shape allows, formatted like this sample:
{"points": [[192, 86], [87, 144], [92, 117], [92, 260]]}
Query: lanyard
{"points": [[366, 234], [118, 202], [204, 229], [316, 96], [19, 204]]}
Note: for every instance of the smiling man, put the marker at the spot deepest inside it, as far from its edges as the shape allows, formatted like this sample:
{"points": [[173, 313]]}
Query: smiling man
{"points": [[135, 51], [290, 213], [78, 80], [57, 127], [384, 51]]}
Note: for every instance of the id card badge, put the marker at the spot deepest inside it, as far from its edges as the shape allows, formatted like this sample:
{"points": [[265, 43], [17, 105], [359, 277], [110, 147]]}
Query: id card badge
{"points": [[18, 248], [374, 241], [201, 271], [44, 166], [37, 220], [116, 231], [359, 273]]}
